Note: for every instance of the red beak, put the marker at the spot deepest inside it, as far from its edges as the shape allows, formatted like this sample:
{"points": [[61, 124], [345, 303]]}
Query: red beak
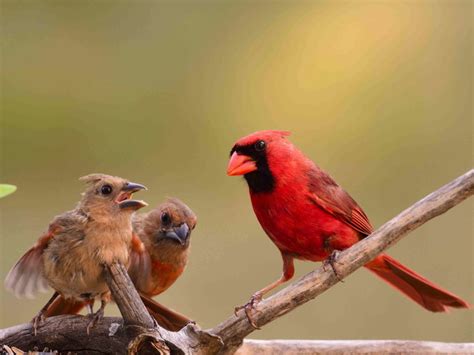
{"points": [[240, 165]]}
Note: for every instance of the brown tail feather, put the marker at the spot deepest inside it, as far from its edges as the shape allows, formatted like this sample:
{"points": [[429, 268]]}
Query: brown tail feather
{"points": [[165, 317], [64, 306], [416, 287]]}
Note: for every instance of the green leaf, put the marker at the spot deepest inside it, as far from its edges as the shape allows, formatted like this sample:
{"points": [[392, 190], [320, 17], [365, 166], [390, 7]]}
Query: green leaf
{"points": [[6, 189]]}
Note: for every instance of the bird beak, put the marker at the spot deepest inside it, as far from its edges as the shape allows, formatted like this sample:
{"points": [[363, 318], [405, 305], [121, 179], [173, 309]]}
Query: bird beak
{"points": [[180, 234], [240, 165], [124, 198], [133, 187]]}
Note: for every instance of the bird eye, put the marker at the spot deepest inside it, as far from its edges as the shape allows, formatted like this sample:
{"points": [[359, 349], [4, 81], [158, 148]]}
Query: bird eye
{"points": [[165, 218], [106, 190], [260, 145]]}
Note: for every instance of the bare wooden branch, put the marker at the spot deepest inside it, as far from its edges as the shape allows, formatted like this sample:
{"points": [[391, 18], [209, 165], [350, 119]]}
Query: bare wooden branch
{"points": [[301, 347], [67, 333], [111, 335], [126, 296], [236, 328]]}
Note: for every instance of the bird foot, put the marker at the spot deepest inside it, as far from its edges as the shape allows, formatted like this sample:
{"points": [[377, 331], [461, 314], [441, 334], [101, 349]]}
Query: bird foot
{"points": [[37, 320], [331, 261], [249, 307], [94, 318]]}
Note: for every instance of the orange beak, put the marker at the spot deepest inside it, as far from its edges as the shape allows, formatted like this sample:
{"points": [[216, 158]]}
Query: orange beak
{"points": [[240, 165]]}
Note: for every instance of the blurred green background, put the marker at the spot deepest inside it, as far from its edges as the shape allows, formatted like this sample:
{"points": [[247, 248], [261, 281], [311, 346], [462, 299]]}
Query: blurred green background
{"points": [[377, 93]]}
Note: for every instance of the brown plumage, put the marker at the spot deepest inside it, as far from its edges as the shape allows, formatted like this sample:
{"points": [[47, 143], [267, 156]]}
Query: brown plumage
{"points": [[70, 256], [165, 233]]}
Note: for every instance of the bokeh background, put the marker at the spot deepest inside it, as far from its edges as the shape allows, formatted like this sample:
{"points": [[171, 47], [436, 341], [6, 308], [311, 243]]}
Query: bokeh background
{"points": [[377, 93]]}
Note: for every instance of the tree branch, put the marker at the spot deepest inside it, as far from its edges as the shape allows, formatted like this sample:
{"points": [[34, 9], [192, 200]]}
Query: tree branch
{"points": [[111, 335], [293, 347], [126, 296], [67, 333], [146, 332]]}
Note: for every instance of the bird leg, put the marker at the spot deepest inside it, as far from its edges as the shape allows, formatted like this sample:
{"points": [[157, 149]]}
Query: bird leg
{"points": [[95, 317], [331, 261], [40, 317], [90, 307], [288, 272]]}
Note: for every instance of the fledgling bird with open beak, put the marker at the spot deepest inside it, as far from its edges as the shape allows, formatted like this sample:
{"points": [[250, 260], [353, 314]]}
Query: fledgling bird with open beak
{"points": [[70, 257], [308, 216], [165, 234]]}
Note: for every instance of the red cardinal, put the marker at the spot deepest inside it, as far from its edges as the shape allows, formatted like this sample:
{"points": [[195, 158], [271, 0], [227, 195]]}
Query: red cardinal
{"points": [[309, 216]]}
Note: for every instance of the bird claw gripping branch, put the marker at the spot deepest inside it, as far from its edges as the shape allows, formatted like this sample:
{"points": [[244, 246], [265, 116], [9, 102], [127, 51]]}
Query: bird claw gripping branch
{"points": [[331, 261], [37, 320], [249, 307], [96, 317]]}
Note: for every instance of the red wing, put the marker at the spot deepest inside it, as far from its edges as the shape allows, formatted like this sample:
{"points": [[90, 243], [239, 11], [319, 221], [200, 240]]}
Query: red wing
{"points": [[26, 278], [328, 195], [140, 264]]}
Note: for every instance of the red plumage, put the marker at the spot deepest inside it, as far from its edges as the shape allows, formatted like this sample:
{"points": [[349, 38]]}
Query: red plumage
{"points": [[308, 215]]}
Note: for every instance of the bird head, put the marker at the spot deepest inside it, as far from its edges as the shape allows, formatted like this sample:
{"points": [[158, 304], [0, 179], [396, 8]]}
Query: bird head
{"points": [[170, 223], [106, 194], [253, 156]]}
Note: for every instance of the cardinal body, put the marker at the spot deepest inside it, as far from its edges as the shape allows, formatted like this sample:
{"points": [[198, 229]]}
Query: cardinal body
{"points": [[309, 216], [163, 234], [71, 255]]}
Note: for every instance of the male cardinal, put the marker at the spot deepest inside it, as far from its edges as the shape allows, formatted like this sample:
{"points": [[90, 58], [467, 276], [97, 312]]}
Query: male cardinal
{"points": [[309, 216], [165, 233], [70, 257]]}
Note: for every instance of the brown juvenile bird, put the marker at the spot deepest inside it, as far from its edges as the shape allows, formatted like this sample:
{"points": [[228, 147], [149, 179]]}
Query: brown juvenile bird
{"points": [[71, 255], [165, 232]]}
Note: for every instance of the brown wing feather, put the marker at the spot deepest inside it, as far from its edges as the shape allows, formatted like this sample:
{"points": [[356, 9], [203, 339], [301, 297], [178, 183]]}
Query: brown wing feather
{"points": [[327, 194], [140, 264], [26, 278]]}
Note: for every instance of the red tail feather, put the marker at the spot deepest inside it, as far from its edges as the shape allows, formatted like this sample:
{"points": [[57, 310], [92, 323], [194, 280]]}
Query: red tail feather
{"points": [[416, 287]]}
